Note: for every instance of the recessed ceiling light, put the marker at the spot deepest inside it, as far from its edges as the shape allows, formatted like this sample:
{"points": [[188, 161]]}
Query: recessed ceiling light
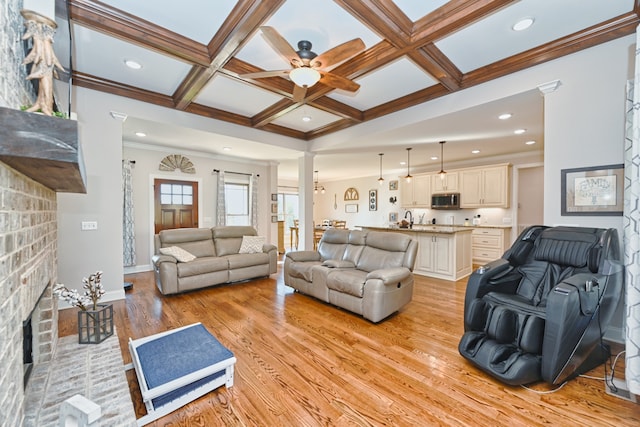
{"points": [[475, 151], [141, 134], [226, 148], [403, 163], [519, 131], [134, 65], [434, 157], [505, 116], [522, 24], [530, 142], [306, 118]]}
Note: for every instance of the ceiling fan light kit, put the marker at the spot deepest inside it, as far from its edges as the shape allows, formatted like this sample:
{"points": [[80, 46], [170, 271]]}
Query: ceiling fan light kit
{"points": [[304, 76]]}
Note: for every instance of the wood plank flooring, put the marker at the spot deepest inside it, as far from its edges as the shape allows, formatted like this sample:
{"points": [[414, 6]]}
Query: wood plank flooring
{"points": [[305, 363]]}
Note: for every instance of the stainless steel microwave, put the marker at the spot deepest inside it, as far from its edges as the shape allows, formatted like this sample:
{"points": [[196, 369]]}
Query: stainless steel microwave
{"points": [[445, 201]]}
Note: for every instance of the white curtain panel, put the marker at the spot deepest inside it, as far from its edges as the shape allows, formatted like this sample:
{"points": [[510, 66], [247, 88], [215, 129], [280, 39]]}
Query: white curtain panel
{"points": [[254, 201], [128, 226], [221, 207], [631, 232]]}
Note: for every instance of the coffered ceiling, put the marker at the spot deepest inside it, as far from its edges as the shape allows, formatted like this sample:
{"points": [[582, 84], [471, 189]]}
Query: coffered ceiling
{"points": [[194, 53]]}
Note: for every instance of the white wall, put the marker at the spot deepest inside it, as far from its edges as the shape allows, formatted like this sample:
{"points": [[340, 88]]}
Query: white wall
{"points": [[81, 253]]}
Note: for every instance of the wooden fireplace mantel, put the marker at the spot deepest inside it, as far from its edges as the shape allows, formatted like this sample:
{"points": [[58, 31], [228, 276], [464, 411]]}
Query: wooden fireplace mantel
{"points": [[43, 148]]}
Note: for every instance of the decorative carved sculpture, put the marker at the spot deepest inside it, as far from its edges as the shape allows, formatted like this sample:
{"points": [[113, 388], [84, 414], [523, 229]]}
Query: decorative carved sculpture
{"points": [[41, 29], [351, 194]]}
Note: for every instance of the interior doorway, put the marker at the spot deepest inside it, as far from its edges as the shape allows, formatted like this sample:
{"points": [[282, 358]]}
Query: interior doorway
{"points": [[175, 204], [530, 197]]}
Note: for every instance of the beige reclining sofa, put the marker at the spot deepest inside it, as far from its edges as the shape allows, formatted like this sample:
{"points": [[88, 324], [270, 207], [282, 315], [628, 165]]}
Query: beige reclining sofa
{"points": [[368, 273], [215, 257]]}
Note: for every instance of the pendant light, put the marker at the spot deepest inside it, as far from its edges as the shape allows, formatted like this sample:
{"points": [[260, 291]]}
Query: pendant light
{"points": [[442, 173], [381, 179], [408, 177], [315, 185]]}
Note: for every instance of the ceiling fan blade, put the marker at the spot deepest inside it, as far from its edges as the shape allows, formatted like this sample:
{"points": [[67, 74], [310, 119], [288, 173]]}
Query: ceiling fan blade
{"points": [[263, 74], [280, 45], [299, 93], [338, 54], [338, 82]]}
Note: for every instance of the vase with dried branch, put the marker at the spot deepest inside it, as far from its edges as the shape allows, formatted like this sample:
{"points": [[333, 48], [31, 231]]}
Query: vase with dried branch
{"points": [[41, 30]]}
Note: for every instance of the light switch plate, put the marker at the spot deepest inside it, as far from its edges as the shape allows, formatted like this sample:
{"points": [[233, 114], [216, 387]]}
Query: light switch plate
{"points": [[89, 225]]}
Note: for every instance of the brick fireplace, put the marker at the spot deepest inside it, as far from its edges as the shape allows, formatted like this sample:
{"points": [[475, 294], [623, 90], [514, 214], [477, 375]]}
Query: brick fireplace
{"points": [[28, 238]]}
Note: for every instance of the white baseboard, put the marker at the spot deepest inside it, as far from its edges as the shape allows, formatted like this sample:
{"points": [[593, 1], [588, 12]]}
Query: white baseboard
{"points": [[138, 269]]}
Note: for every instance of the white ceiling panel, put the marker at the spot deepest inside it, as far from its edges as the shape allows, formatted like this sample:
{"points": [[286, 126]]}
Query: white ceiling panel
{"points": [[294, 119], [417, 9], [198, 20], [324, 24], [387, 83], [227, 94], [492, 38], [101, 55]]}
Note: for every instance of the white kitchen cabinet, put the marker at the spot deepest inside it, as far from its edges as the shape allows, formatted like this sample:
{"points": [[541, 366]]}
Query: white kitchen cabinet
{"points": [[417, 193], [485, 187], [447, 185], [489, 244], [444, 255]]}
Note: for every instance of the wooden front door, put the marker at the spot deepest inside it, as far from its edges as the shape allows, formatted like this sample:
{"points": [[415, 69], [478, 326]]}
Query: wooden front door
{"points": [[176, 204]]}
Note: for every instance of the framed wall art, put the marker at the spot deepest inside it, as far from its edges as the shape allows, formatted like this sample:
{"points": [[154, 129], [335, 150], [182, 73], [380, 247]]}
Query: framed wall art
{"points": [[274, 208], [274, 197], [595, 191], [351, 208], [393, 185]]}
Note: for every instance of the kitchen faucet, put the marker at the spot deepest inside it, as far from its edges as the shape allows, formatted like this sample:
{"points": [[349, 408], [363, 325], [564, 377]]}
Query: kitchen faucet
{"points": [[410, 218]]}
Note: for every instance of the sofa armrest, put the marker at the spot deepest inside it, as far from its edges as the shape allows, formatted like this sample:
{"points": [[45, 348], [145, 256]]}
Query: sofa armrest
{"points": [[272, 251], [302, 256], [268, 247], [390, 276], [158, 259]]}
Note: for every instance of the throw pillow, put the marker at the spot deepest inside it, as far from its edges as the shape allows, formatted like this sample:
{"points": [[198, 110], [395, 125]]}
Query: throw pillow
{"points": [[251, 244], [178, 253]]}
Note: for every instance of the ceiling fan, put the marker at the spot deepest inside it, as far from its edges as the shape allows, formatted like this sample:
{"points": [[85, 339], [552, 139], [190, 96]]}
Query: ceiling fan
{"points": [[308, 67]]}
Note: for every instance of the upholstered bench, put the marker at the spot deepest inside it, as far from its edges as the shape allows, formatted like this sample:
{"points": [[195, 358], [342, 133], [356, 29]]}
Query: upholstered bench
{"points": [[178, 366]]}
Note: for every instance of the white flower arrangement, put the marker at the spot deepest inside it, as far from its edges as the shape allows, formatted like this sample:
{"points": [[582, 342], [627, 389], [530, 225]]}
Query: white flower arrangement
{"points": [[94, 291]]}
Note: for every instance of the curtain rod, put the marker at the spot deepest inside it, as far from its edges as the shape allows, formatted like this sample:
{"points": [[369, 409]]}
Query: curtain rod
{"points": [[237, 173]]}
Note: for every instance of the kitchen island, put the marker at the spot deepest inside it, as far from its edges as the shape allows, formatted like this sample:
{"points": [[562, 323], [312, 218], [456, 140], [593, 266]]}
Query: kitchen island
{"points": [[444, 252]]}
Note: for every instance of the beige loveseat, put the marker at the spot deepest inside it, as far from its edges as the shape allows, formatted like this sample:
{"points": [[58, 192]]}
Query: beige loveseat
{"points": [[368, 273], [216, 258]]}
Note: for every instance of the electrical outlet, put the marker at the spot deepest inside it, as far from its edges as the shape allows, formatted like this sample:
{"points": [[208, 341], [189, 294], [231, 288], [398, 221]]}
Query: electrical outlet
{"points": [[89, 225]]}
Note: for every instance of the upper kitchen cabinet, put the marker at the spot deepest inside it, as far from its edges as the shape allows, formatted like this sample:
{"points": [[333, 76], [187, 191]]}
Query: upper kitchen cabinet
{"points": [[448, 184], [417, 193], [485, 187]]}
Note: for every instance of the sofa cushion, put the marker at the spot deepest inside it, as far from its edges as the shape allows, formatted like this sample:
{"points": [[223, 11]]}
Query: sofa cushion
{"points": [[338, 263], [251, 244], [246, 260], [347, 281], [228, 239], [202, 266], [333, 243], [197, 241], [178, 253]]}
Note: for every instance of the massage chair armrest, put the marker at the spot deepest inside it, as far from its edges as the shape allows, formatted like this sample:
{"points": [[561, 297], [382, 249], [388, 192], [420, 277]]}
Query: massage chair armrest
{"points": [[303, 256], [496, 276], [578, 312], [390, 276]]}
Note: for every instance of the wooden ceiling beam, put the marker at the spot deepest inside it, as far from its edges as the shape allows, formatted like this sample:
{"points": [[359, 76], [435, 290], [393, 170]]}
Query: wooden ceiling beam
{"points": [[131, 29], [244, 20]]}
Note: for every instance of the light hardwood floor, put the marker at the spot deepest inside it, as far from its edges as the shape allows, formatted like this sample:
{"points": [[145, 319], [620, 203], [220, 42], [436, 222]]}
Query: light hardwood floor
{"points": [[304, 363]]}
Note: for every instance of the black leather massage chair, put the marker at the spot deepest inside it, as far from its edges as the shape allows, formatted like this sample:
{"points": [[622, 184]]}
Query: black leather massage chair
{"points": [[539, 312]]}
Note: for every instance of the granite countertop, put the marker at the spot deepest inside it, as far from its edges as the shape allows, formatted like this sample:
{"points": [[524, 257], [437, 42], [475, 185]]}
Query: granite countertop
{"points": [[435, 228], [423, 228]]}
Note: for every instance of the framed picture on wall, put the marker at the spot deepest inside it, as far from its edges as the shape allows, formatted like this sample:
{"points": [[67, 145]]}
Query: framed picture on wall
{"points": [[373, 200], [274, 208], [274, 197], [595, 191], [393, 185], [274, 218]]}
